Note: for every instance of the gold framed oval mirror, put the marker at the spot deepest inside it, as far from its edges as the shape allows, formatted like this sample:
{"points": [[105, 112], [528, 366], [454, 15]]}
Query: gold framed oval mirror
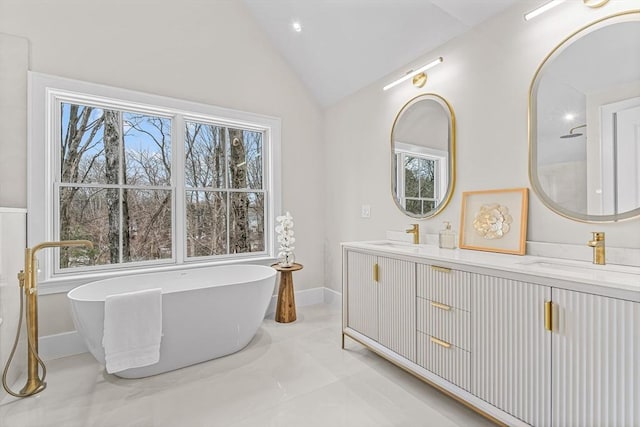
{"points": [[584, 122], [423, 156]]}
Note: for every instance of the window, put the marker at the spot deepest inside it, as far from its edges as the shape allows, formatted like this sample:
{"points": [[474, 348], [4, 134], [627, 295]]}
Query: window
{"points": [[153, 182], [419, 183], [420, 175], [113, 186], [224, 192]]}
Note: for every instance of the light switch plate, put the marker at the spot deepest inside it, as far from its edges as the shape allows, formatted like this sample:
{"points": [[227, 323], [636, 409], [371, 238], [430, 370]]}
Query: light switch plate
{"points": [[366, 211]]}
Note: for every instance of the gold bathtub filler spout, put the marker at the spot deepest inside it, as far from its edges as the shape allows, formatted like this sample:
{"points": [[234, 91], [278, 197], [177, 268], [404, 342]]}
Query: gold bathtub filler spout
{"points": [[597, 243], [27, 279]]}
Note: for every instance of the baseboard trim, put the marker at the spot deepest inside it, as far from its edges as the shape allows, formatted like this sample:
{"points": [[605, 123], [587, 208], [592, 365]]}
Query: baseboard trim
{"points": [[319, 295], [61, 345], [70, 343], [332, 297]]}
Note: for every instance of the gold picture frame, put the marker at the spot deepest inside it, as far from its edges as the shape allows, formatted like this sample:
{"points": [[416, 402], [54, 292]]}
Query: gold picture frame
{"points": [[495, 220]]}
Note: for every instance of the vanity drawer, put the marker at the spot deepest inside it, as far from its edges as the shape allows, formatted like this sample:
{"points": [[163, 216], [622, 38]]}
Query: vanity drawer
{"points": [[445, 322], [451, 363], [444, 285]]}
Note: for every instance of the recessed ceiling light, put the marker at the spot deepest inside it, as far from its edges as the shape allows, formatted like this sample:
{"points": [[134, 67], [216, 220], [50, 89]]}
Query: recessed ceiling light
{"points": [[569, 117], [296, 26]]}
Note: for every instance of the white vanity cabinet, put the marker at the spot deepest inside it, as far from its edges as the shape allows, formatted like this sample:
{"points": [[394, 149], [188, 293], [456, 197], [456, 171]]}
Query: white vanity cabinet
{"points": [[511, 359], [596, 360], [520, 346], [381, 301]]}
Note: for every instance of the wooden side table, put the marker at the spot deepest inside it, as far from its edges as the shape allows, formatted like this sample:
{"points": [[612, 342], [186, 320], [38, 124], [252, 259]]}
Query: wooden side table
{"points": [[286, 307]]}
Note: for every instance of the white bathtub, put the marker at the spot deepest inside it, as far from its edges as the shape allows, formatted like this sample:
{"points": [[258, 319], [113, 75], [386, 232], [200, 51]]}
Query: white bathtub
{"points": [[206, 312]]}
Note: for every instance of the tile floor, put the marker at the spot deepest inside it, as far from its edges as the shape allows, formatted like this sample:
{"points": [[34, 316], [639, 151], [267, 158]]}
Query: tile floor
{"points": [[292, 375]]}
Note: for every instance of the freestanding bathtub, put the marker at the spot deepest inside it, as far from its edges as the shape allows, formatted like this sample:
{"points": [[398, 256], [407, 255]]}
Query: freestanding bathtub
{"points": [[206, 312]]}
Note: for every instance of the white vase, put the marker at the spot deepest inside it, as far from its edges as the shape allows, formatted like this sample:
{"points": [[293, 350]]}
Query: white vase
{"points": [[286, 259]]}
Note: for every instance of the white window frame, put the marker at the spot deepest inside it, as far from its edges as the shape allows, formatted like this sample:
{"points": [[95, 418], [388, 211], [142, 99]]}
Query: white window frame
{"points": [[46, 92], [402, 150]]}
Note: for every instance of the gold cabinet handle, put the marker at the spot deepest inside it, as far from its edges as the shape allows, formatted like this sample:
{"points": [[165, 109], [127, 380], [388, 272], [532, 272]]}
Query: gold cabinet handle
{"points": [[440, 342], [441, 306], [376, 272], [548, 315], [441, 269]]}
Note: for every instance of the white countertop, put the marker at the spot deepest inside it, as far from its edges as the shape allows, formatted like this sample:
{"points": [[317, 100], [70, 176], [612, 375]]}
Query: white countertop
{"points": [[608, 280]]}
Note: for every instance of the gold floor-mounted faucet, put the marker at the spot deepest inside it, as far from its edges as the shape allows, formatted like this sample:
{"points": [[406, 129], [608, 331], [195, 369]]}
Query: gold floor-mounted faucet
{"points": [[415, 230], [28, 280], [597, 243]]}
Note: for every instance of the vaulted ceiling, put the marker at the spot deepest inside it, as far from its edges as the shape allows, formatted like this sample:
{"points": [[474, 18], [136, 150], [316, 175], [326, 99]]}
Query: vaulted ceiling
{"points": [[345, 45]]}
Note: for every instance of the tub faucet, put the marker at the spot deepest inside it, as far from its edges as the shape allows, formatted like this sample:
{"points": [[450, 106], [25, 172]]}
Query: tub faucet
{"points": [[597, 243], [27, 280], [415, 230]]}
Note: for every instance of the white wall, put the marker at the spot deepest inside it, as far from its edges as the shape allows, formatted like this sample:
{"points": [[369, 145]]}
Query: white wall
{"points": [[485, 76], [204, 51], [14, 60], [14, 56], [12, 241]]}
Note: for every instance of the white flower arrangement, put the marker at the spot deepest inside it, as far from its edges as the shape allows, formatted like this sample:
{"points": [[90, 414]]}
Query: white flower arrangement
{"points": [[285, 239]]}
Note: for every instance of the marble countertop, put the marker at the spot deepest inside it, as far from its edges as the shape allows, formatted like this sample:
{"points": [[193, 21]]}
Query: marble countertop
{"points": [[615, 281]]}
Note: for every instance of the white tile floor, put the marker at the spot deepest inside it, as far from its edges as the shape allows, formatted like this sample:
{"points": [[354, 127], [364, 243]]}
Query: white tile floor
{"points": [[293, 375]]}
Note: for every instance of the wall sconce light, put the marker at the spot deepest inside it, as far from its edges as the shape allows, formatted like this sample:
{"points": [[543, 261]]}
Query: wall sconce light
{"points": [[419, 80], [553, 3], [418, 76]]}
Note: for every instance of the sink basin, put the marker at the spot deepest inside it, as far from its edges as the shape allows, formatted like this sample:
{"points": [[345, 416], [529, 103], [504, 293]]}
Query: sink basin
{"points": [[405, 247], [392, 244], [605, 273]]}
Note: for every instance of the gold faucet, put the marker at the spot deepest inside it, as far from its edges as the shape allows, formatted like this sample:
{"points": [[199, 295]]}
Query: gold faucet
{"points": [[598, 247], [415, 230], [27, 280]]}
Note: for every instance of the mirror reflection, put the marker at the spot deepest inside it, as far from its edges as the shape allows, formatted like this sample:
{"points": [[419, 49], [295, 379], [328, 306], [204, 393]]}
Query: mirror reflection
{"points": [[585, 123], [422, 156]]}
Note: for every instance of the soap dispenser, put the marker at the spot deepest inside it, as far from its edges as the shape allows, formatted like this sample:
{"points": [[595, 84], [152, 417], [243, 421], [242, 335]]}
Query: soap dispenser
{"points": [[447, 237]]}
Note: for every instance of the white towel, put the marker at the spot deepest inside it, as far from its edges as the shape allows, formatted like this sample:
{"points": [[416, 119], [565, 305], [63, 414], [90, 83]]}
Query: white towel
{"points": [[132, 329]]}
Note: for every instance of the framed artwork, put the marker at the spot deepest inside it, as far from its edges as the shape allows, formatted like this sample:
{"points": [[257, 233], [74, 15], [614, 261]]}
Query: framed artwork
{"points": [[495, 220]]}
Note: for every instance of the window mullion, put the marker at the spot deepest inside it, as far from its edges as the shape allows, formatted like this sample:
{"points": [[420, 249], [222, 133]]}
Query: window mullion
{"points": [[178, 183], [120, 183], [227, 154]]}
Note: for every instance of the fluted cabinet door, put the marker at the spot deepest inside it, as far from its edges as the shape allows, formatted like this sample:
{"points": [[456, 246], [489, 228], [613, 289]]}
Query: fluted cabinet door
{"points": [[596, 360], [397, 306], [510, 347], [362, 294]]}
